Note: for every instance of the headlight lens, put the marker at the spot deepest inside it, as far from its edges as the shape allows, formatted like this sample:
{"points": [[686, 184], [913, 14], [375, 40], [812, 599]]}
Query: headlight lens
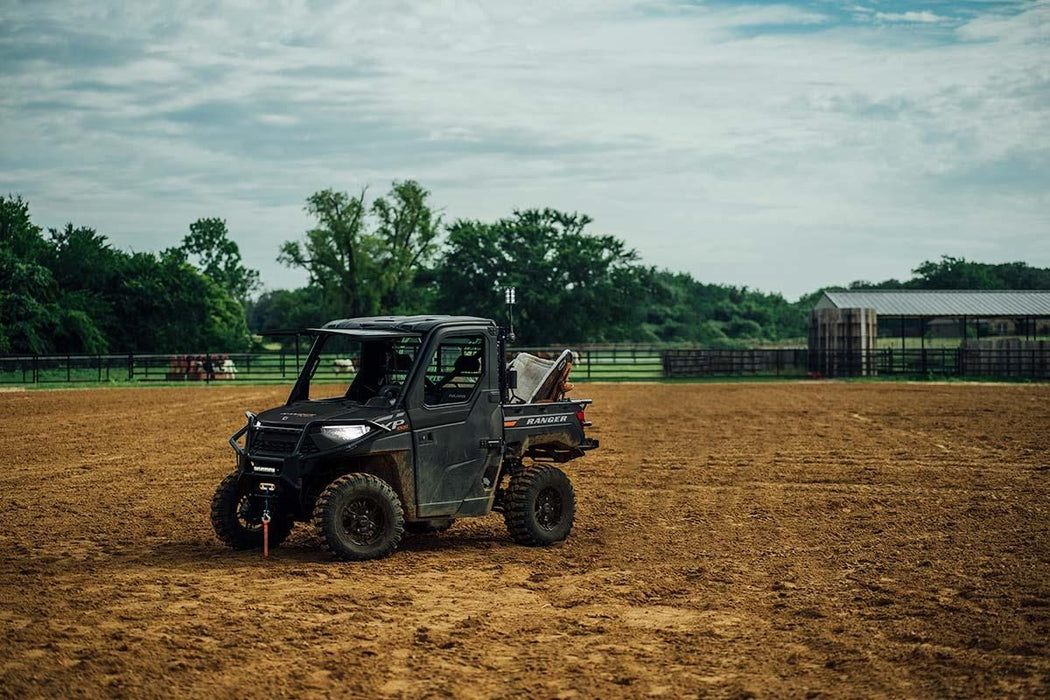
{"points": [[345, 433]]}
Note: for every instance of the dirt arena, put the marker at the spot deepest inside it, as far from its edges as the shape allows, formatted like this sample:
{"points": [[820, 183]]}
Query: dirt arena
{"points": [[733, 540]]}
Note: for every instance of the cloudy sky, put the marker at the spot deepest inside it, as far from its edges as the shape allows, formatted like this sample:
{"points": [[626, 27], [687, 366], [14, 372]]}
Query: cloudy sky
{"points": [[779, 145]]}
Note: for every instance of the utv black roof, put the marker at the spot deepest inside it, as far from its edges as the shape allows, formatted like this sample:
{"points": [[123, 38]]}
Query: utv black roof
{"points": [[411, 325]]}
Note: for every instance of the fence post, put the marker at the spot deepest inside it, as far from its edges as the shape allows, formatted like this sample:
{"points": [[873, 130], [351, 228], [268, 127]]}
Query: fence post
{"points": [[131, 366], [100, 368], [282, 363], [588, 363], [69, 374], [36, 369]]}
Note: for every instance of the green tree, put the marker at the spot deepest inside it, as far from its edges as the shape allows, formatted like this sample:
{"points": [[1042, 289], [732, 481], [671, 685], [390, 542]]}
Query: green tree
{"points": [[25, 284], [406, 235], [365, 259], [219, 258], [722, 316], [89, 275], [572, 285], [168, 306], [41, 310], [959, 273], [954, 273], [332, 254], [287, 309]]}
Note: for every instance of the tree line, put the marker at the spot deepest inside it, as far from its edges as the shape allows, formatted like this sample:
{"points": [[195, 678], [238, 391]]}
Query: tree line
{"points": [[69, 290]]}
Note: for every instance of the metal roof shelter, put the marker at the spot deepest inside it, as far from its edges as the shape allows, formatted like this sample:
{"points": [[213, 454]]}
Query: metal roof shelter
{"points": [[913, 309], [854, 332], [941, 303]]}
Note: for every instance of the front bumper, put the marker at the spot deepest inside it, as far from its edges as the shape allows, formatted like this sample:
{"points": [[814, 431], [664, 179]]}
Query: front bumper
{"points": [[284, 453], [267, 466]]}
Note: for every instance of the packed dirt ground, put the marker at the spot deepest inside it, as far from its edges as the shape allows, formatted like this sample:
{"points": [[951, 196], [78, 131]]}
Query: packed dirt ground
{"points": [[732, 540]]}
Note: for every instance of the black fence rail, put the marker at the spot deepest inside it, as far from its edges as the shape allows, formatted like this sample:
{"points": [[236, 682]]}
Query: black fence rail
{"points": [[726, 363], [610, 363], [985, 362], [994, 362], [604, 363], [72, 369]]}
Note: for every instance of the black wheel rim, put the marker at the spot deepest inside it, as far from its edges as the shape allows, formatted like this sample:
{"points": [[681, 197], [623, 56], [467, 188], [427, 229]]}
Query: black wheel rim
{"points": [[363, 521], [548, 508], [248, 516]]}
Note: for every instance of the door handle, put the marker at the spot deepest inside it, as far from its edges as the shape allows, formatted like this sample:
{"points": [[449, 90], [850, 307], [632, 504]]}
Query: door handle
{"points": [[491, 444], [426, 437]]}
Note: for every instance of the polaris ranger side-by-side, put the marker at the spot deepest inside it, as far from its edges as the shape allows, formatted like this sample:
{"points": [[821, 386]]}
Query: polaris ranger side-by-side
{"points": [[432, 427]]}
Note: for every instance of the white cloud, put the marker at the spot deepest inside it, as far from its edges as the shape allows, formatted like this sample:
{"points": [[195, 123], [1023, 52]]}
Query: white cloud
{"points": [[716, 139], [923, 16], [766, 15], [279, 119], [1030, 26]]}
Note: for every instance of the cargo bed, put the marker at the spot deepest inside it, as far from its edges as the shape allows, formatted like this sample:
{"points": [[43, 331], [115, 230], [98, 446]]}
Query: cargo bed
{"points": [[550, 431]]}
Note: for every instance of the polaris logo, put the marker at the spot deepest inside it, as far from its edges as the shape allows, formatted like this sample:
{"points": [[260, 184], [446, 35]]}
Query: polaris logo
{"points": [[546, 420]]}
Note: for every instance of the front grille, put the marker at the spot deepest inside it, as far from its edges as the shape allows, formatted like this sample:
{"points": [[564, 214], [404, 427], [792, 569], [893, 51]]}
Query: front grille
{"points": [[275, 446], [283, 443]]}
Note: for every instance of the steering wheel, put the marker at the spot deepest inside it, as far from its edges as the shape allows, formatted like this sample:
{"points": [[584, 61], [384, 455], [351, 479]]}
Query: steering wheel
{"points": [[389, 391]]}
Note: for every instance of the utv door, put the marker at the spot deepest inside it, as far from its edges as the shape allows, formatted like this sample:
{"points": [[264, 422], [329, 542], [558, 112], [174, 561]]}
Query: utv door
{"points": [[457, 424]]}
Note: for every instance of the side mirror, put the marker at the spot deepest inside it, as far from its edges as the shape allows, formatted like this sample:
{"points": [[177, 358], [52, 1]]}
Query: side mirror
{"points": [[512, 379]]}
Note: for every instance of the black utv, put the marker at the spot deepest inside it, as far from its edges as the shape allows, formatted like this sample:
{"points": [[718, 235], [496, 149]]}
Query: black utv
{"points": [[432, 427]]}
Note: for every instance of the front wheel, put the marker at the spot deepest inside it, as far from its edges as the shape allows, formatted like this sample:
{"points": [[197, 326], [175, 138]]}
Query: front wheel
{"points": [[237, 517], [358, 516], [540, 506]]}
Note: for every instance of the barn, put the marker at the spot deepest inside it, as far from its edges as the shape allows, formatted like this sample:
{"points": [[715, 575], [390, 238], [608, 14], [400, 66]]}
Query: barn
{"points": [[856, 331]]}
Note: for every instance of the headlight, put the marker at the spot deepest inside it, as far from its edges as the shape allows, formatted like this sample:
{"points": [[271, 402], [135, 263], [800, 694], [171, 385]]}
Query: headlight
{"points": [[345, 433]]}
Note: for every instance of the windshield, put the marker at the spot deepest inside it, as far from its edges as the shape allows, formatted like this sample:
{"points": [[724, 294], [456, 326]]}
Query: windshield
{"points": [[347, 368]]}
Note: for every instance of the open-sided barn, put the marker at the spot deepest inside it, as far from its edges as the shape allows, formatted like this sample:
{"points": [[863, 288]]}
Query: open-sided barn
{"points": [[993, 328]]}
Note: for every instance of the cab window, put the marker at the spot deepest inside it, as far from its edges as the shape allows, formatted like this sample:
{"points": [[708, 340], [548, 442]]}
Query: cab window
{"points": [[350, 369], [454, 370]]}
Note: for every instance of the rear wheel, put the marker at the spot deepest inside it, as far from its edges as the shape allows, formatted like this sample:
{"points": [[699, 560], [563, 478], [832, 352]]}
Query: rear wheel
{"points": [[237, 517], [358, 516], [540, 506]]}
